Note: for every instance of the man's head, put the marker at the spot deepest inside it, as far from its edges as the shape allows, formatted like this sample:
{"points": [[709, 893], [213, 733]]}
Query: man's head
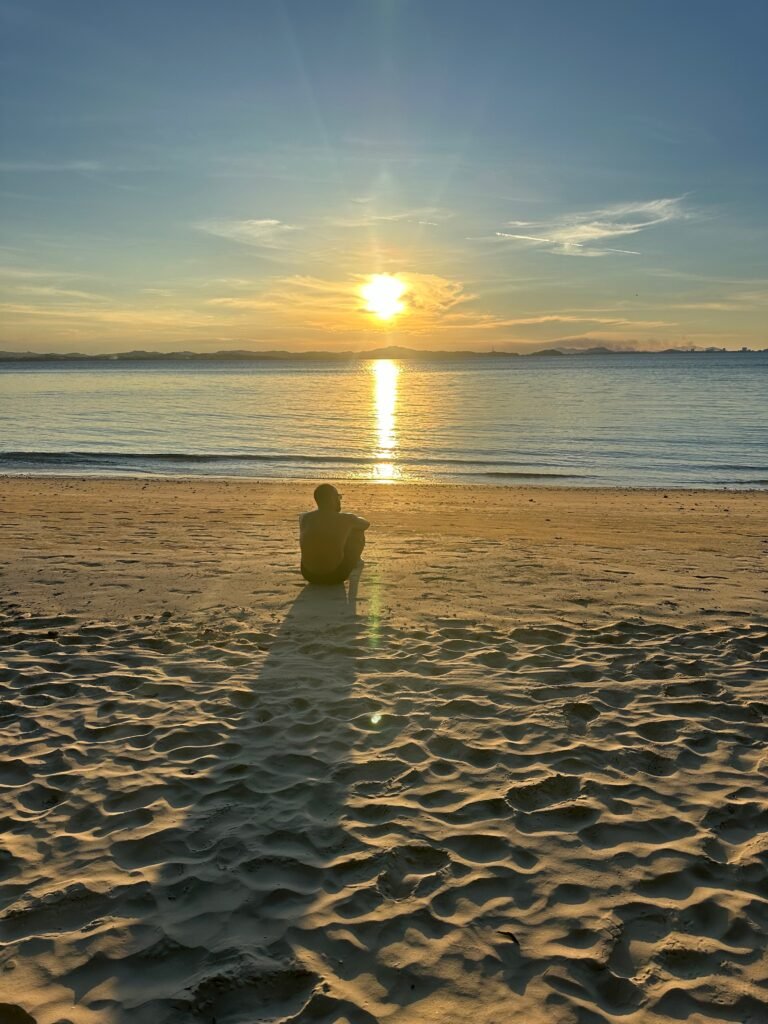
{"points": [[328, 498]]}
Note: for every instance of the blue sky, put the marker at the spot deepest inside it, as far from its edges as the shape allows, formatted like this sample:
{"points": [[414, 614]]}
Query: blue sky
{"points": [[199, 175]]}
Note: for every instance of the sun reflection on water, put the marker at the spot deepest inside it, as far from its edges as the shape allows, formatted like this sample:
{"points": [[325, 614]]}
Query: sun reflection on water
{"points": [[385, 380]]}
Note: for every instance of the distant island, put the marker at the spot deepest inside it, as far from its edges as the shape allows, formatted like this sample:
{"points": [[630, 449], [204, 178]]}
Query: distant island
{"points": [[392, 352]]}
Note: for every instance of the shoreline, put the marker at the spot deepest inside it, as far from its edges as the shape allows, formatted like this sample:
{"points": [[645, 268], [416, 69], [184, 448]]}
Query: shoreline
{"points": [[519, 483]]}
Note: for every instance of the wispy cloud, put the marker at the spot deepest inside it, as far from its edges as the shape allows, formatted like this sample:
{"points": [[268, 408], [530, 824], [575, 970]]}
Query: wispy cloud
{"points": [[737, 302], [131, 317], [583, 234], [20, 273], [367, 215], [336, 307], [52, 292], [266, 232], [434, 304], [50, 166]]}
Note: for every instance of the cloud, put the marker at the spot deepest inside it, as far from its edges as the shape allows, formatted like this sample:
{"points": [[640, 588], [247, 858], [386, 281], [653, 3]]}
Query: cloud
{"points": [[434, 304], [336, 307], [67, 294], [714, 307], [17, 273], [131, 317], [582, 234], [424, 215], [568, 248], [744, 302], [50, 167], [44, 284], [266, 232], [564, 318]]}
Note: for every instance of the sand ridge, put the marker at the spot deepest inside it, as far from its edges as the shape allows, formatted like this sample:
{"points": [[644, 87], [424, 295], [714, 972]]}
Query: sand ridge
{"points": [[337, 806]]}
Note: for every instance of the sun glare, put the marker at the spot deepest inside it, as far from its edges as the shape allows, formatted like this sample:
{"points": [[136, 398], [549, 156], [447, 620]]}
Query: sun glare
{"points": [[383, 294], [385, 374]]}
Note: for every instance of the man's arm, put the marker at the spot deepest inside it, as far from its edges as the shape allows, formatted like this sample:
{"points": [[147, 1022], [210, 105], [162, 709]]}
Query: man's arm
{"points": [[305, 522], [357, 522]]}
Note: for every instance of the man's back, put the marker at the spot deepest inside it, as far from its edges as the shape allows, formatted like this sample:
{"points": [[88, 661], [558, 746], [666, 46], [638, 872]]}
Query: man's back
{"points": [[323, 537], [331, 540]]}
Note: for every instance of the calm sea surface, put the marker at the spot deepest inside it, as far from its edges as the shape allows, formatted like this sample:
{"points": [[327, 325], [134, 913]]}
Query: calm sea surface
{"points": [[687, 420]]}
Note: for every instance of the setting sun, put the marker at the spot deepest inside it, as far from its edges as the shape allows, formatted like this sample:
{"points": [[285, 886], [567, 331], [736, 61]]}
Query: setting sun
{"points": [[383, 295]]}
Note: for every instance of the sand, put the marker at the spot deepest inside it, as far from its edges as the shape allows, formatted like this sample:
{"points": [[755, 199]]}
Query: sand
{"points": [[515, 772]]}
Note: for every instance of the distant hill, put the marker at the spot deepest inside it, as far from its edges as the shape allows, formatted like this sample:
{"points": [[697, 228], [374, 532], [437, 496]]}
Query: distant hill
{"points": [[391, 352]]}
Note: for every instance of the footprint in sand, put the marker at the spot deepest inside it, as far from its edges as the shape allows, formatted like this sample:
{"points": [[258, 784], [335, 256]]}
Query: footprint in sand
{"points": [[408, 869]]}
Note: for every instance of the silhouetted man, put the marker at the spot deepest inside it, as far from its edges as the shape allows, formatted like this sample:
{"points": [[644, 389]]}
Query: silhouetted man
{"points": [[331, 540]]}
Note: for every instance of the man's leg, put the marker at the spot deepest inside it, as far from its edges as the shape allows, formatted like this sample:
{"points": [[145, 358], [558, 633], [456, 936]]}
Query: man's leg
{"points": [[353, 549]]}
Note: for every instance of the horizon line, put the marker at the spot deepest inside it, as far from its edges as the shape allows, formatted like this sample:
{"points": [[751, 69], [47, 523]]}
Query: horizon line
{"points": [[386, 352]]}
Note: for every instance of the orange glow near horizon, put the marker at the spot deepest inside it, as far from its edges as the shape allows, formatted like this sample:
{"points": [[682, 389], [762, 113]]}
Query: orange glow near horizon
{"points": [[383, 296]]}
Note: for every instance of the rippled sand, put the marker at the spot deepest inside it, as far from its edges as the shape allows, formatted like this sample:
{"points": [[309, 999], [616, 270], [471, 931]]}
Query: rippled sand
{"points": [[500, 775]]}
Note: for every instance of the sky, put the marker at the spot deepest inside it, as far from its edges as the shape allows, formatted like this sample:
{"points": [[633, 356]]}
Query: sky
{"points": [[198, 175]]}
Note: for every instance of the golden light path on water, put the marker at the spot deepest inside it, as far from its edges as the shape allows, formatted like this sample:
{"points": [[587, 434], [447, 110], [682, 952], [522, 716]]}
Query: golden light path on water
{"points": [[385, 380], [385, 374]]}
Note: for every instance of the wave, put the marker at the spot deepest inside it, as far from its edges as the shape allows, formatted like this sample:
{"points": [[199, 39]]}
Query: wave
{"points": [[294, 464], [77, 458], [522, 475], [56, 458]]}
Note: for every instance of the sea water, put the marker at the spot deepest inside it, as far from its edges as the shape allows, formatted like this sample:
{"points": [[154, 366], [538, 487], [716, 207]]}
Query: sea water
{"points": [[687, 419]]}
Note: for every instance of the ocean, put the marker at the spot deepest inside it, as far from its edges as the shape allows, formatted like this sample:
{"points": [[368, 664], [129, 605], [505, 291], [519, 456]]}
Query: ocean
{"points": [[647, 420]]}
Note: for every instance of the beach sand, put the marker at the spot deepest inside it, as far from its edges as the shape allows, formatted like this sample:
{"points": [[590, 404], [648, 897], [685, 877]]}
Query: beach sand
{"points": [[515, 772]]}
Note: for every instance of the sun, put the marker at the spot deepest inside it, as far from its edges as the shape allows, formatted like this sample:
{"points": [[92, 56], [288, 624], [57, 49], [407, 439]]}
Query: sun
{"points": [[383, 294]]}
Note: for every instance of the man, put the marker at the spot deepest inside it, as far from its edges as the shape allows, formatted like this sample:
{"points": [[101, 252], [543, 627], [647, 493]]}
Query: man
{"points": [[331, 540]]}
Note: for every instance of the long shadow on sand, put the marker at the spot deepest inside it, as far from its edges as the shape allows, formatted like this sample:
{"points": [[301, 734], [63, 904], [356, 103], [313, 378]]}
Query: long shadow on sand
{"points": [[212, 821], [263, 842]]}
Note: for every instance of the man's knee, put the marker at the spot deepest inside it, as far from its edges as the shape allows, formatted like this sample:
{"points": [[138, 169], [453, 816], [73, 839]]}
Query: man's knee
{"points": [[355, 541]]}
